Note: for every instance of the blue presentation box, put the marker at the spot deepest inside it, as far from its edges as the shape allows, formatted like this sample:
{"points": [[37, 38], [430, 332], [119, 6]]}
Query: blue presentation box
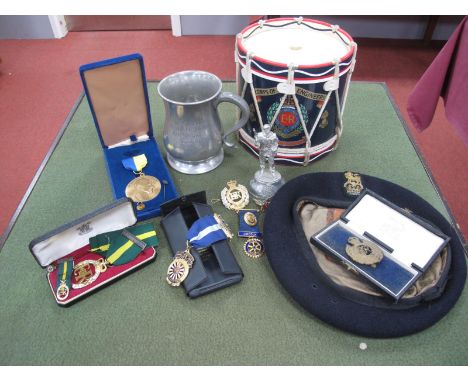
{"points": [[117, 94], [406, 245]]}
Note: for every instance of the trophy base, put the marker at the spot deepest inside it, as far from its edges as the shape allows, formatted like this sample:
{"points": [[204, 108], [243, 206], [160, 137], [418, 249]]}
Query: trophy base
{"points": [[262, 190], [192, 167]]}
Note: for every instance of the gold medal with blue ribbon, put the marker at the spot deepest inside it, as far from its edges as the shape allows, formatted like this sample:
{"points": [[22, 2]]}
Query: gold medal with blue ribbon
{"points": [[117, 248], [63, 284], [203, 233], [143, 188]]}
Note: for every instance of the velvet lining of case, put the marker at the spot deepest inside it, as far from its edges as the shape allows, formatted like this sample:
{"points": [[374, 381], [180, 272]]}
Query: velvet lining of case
{"points": [[118, 98], [71, 241], [104, 278]]}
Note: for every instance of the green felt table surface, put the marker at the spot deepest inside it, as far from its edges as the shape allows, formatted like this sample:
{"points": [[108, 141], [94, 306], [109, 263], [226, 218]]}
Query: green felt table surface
{"points": [[141, 320]]}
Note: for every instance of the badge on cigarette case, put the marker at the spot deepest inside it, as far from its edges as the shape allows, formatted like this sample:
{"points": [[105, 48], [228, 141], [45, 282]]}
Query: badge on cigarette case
{"points": [[364, 251]]}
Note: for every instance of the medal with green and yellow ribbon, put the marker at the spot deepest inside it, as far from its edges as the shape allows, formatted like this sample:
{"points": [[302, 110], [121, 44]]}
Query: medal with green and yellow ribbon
{"points": [[114, 248], [64, 271]]}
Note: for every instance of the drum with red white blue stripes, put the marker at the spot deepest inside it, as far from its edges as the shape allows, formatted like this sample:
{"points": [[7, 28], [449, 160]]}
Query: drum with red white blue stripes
{"points": [[315, 60]]}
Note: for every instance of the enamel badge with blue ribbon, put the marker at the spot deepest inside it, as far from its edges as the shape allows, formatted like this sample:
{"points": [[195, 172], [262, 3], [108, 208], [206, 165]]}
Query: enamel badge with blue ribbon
{"points": [[204, 232], [249, 223]]}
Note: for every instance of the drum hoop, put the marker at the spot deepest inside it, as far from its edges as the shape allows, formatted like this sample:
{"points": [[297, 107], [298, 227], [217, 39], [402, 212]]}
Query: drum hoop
{"points": [[242, 48], [313, 79]]}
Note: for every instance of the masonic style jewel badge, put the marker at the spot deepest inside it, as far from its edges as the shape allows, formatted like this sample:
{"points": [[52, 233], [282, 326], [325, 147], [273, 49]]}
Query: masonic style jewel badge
{"points": [[86, 272], [177, 272]]}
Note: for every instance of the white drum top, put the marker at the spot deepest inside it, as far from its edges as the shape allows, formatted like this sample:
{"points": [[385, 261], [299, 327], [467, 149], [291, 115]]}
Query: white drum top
{"points": [[297, 44]]}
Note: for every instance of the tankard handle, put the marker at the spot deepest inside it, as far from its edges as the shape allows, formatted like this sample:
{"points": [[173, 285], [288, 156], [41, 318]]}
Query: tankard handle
{"points": [[241, 104]]}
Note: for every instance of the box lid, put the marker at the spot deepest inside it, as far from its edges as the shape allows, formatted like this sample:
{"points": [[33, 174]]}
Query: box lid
{"points": [[411, 240], [65, 239], [118, 98]]}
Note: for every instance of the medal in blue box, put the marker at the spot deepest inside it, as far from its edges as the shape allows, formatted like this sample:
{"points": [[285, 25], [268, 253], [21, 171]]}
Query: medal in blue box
{"points": [[117, 94]]}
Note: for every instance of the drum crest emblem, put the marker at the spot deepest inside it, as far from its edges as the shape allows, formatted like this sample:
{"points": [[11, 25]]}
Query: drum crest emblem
{"points": [[288, 122]]}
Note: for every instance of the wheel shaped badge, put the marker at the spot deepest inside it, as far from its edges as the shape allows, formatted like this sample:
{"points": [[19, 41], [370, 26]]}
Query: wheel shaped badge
{"points": [[177, 272], [254, 248]]}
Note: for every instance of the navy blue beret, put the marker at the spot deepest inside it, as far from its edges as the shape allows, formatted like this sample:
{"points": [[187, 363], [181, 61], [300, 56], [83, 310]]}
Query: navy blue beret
{"points": [[290, 257]]}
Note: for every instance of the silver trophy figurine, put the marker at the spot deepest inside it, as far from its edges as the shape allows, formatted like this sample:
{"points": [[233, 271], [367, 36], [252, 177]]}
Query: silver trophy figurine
{"points": [[266, 180]]}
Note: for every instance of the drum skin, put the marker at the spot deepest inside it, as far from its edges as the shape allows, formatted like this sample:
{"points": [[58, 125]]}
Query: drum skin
{"points": [[290, 257], [309, 80]]}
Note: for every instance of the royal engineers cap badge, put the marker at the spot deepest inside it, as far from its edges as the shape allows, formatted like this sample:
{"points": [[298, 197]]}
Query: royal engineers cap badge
{"points": [[234, 196]]}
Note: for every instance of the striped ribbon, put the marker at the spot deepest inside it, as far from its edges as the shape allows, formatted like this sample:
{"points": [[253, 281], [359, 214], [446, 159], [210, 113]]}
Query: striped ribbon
{"points": [[118, 249], [64, 271], [135, 163], [205, 232]]}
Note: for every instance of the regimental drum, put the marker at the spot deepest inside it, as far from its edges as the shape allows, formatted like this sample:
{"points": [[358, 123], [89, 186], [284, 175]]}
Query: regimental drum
{"points": [[294, 73]]}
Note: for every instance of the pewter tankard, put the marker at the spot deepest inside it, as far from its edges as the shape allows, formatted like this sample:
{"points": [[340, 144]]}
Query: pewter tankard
{"points": [[193, 134]]}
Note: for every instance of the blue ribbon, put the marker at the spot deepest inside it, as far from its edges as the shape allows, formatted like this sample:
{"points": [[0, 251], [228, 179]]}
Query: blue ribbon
{"points": [[205, 232]]}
